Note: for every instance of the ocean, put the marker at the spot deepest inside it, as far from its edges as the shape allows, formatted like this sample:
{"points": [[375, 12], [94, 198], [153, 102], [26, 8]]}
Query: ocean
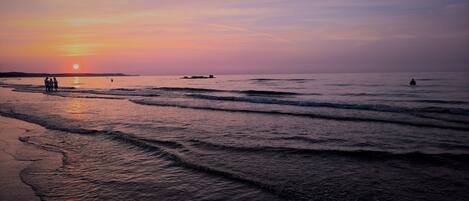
{"points": [[357, 136]]}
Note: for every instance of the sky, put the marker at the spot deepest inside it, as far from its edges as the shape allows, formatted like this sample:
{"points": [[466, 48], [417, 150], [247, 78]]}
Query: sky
{"points": [[234, 36]]}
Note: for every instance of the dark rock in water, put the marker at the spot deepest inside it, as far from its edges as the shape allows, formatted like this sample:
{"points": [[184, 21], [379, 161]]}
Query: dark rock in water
{"points": [[198, 77]]}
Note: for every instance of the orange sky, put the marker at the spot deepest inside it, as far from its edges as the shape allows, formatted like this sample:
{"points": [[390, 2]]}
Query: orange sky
{"points": [[258, 36]]}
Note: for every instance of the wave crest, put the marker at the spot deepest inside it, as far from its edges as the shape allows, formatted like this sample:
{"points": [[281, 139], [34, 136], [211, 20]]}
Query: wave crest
{"points": [[308, 115]]}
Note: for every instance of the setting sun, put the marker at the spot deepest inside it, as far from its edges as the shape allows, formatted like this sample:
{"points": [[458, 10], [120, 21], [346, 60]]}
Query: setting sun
{"points": [[76, 66]]}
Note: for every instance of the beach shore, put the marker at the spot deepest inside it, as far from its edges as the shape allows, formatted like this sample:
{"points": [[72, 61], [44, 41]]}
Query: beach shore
{"points": [[15, 157]]}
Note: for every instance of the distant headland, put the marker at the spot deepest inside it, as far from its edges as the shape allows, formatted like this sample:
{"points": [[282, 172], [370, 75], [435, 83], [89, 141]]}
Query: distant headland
{"points": [[22, 74]]}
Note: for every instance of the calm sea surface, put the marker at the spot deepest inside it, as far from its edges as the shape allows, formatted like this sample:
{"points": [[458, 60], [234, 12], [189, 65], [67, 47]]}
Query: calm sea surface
{"points": [[250, 137]]}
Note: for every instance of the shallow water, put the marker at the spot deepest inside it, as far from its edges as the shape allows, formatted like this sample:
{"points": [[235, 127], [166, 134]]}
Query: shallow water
{"points": [[251, 137]]}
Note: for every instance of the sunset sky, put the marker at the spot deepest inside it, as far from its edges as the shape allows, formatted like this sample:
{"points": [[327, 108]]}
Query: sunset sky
{"points": [[242, 36]]}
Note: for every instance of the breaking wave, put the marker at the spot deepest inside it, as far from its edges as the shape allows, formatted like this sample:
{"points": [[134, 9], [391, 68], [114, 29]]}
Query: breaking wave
{"points": [[274, 79], [370, 107], [363, 154], [272, 93], [309, 115], [165, 149], [170, 150], [145, 92]]}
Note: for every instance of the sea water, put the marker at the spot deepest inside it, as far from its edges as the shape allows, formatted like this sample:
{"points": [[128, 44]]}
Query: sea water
{"points": [[250, 137]]}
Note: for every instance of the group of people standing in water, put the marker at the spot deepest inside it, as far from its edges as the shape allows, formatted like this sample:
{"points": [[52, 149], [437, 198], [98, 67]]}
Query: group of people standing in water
{"points": [[51, 84]]}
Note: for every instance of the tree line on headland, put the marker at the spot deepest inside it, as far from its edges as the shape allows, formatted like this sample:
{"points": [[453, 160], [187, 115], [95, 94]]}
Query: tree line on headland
{"points": [[22, 74]]}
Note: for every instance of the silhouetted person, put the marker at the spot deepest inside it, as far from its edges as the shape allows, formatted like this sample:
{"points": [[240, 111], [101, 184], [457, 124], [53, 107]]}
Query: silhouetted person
{"points": [[412, 82], [46, 84], [50, 84], [112, 80], [56, 84]]}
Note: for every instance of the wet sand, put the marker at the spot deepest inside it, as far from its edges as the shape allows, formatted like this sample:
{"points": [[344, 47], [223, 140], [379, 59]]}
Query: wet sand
{"points": [[16, 156]]}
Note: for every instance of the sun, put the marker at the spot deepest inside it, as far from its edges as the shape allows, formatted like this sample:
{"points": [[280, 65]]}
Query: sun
{"points": [[76, 66]]}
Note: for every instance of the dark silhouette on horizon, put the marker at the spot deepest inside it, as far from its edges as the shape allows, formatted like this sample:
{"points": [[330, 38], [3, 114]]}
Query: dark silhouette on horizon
{"points": [[412, 82]]}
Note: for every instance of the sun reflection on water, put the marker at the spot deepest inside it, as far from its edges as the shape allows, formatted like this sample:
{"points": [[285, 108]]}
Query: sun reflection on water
{"points": [[75, 108], [76, 82]]}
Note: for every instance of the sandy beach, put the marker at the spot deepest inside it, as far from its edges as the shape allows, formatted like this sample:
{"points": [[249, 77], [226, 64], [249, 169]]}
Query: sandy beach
{"points": [[16, 156]]}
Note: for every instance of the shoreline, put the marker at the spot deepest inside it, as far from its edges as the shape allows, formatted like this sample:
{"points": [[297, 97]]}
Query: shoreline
{"points": [[16, 157]]}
